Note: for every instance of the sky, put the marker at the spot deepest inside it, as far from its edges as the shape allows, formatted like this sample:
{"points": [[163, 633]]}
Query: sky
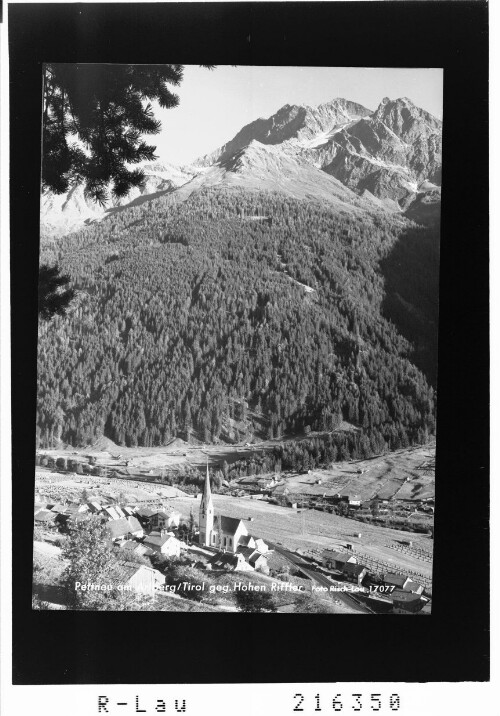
{"points": [[216, 104]]}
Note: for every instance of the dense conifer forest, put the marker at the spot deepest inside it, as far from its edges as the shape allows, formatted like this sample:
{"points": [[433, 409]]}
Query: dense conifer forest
{"points": [[234, 315]]}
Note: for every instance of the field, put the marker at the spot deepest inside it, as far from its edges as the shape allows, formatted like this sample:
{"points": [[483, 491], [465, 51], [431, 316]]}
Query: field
{"points": [[406, 475], [403, 475], [310, 530], [176, 454], [54, 487]]}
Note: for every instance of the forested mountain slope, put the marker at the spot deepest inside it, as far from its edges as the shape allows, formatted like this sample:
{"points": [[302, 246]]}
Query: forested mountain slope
{"points": [[247, 309]]}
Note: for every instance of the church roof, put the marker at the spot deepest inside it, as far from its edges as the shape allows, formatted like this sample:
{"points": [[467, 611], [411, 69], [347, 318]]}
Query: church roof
{"points": [[229, 525]]}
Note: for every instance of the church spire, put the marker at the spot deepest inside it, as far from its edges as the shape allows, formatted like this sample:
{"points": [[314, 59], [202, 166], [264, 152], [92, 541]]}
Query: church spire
{"points": [[206, 513]]}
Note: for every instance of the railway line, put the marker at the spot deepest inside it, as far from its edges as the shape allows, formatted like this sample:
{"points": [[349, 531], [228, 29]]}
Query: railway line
{"points": [[349, 599]]}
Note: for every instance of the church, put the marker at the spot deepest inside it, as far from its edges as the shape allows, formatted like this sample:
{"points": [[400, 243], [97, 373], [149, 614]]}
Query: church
{"points": [[223, 533]]}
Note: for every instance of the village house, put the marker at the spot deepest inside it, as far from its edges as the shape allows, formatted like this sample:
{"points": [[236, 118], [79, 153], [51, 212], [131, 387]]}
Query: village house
{"points": [[75, 507], [354, 572], [396, 580], [254, 558], [59, 507], [260, 545], [132, 547], [413, 587], [406, 602], [248, 541], [135, 577], [113, 512], [164, 519], [265, 483], [336, 560], [123, 528], [94, 507], [259, 562], [164, 543], [45, 517], [229, 562], [144, 515]]}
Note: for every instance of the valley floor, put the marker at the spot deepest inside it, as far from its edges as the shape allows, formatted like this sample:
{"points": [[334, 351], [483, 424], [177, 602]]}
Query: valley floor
{"points": [[307, 530]]}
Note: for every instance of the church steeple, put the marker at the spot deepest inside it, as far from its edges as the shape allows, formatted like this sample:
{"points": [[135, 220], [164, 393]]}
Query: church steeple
{"points": [[206, 518]]}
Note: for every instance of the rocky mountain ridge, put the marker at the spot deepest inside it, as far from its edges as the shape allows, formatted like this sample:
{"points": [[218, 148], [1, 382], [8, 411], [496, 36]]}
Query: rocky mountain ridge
{"points": [[387, 160]]}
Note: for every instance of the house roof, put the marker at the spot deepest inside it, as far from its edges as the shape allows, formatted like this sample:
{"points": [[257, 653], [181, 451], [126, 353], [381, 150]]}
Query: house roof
{"points": [[229, 525], [245, 540], [166, 511], [45, 516], [224, 560], [94, 506], [255, 557], [413, 586], [121, 571], [145, 512], [336, 556], [158, 539], [247, 552], [354, 569], [71, 509], [399, 595], [134, 524], [113, 513], [118, 528], [398, 580], [58, 507]]}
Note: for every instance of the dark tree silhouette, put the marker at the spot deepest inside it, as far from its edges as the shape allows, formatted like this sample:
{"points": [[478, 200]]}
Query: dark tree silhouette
{"points": [[94, 117], [53, 297], [255, 602], [106, 108]]}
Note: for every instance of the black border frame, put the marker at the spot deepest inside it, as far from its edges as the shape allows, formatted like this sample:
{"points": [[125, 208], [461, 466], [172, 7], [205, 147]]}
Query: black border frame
{"points": [[451, 644]]}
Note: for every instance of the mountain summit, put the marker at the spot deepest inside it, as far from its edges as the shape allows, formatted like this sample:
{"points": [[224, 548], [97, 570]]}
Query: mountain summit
{"points": [[341, 152], [388, 153]]}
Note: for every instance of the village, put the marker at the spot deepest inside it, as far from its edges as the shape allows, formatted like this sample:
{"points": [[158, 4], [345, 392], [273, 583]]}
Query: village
{"points": [[293, 540]]}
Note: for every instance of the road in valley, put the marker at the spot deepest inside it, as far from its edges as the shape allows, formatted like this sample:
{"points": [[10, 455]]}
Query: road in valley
{"points": [[348, 599]]}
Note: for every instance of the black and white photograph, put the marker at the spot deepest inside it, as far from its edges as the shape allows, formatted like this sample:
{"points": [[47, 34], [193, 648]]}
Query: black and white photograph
{"points": [[237, 344], [249, 365]]}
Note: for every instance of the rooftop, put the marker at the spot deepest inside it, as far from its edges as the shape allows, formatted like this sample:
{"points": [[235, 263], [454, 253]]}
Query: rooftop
{"points": [[336, 556], [229, 525], [224, 560], [398, 580], [118, 528], [354, 569], [399, 595], [157, 539]]}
